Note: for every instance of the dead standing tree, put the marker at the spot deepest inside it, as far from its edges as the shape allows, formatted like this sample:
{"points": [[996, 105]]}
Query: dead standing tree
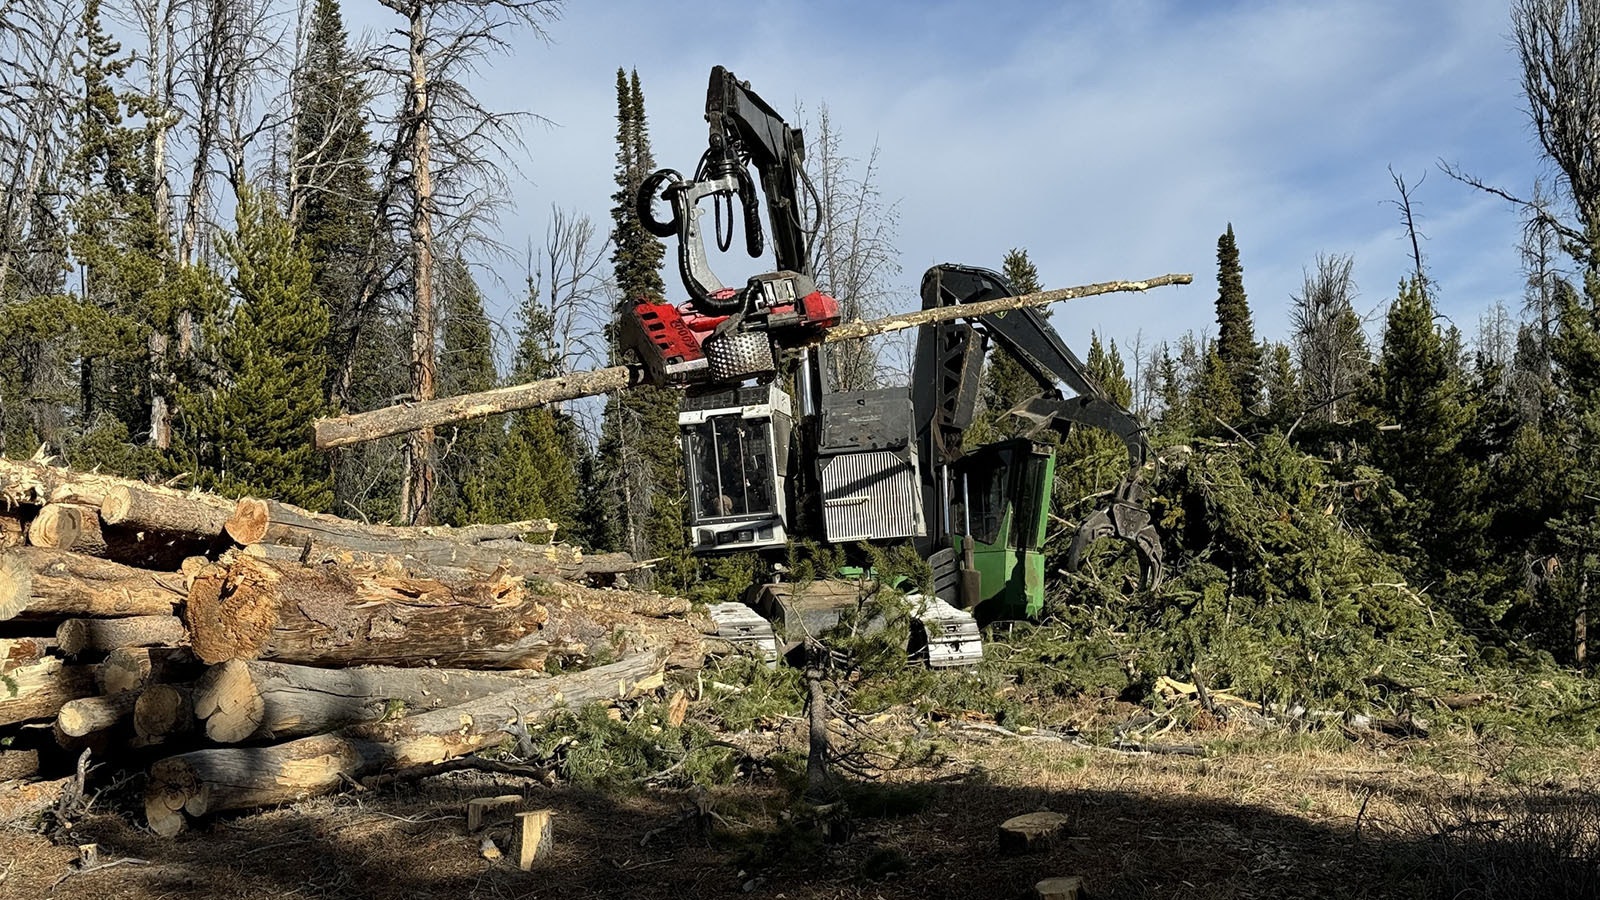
{"points": [[445, 146]]}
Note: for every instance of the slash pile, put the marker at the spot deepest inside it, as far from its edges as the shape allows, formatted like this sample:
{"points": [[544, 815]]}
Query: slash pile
{"points": [[250, 652]]}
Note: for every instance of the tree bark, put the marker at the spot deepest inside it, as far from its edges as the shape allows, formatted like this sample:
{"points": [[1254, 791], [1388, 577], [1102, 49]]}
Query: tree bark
{"points": [[203, 515], [356, 428], [86, 715], [416, 489], [76, 637], [37, 690], [210, 781], [244, 701], [50, 584], [341, 615]]}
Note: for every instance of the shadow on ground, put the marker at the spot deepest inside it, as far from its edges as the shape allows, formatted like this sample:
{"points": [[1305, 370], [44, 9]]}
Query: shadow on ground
{"points": [[923, 841]]}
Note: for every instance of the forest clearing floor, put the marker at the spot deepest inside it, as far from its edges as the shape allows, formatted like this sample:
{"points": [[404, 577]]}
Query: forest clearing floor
{"points": [[1259, 815]]}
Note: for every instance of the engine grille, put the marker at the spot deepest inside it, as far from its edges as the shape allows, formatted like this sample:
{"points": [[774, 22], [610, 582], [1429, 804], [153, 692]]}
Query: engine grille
{"points": [[871, 496]]}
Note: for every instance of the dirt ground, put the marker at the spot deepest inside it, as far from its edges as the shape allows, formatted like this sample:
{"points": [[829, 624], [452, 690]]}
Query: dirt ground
{"points": [[1260, 820]]}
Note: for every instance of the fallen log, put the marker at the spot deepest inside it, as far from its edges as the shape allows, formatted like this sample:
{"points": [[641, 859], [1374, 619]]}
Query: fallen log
{"points": [[210, 781], [33, 483], [86, 715], [37, 690], [75, 637], [243, 701], [196, 513], [50, 584], [338, 615]]}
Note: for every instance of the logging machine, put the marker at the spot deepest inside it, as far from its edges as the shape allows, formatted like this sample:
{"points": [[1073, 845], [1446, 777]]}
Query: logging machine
{"points": [[773, 452]]}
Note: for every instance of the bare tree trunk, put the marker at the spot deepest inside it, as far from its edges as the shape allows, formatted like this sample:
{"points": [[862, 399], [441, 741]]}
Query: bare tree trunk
{"points": [[417, 489]]}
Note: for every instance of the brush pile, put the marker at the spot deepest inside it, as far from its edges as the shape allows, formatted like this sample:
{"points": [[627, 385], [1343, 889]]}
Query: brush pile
{"points": [[249, 652]]}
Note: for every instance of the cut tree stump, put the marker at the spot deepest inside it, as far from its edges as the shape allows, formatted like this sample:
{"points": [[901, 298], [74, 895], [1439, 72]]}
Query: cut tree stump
{"points": [[75, 637], [1067, 888], [86, 715], [532, 838], [209, 781], [1031, 832], [37, 690], [342, 615], [241, 700], [485, 811], [50, 584]]}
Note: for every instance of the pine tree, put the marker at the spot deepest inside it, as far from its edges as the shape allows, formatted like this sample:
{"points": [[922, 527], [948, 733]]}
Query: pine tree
{"points": [[249, 434], [1284, 395], [639, 437], [1236, 348], [1005, 383], [468, 450]]}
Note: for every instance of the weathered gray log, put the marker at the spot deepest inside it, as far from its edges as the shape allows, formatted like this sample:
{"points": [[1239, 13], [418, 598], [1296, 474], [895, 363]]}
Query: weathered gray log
{"points": [[380, 423], [86, 715], [50, 584], [75, 637], [242, 701], [37, 690], [210, 781], [342, 615]]}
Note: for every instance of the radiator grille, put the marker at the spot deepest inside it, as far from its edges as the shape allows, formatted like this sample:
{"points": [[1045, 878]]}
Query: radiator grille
{"points": [[871, 496]]}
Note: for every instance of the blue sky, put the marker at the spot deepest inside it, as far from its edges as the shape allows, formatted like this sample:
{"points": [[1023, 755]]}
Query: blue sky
{"points": [[1109, 140]]}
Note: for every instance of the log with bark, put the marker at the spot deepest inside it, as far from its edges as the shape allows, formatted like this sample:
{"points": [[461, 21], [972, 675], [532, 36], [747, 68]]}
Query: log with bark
{"points": [[210, 781], [356, 428], [50, 584], [37, 690], [196, 513], [86, 715], [255, 700], [76, 637], [342, 615]]}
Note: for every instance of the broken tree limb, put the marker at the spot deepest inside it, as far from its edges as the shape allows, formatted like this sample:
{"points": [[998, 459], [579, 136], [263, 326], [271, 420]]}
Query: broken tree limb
{"points": [[357, 428], [210, 781], [242, 700], [62, 583]]}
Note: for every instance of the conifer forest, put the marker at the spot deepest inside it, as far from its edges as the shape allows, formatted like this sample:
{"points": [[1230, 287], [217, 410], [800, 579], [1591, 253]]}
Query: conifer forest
{"points": [[1366, 672]]}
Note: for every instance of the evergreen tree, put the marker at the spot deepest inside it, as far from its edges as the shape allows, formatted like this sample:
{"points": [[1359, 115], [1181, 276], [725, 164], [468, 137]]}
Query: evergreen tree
{"points": [[468, 450], [1239, 384], [249, 434], [1431, 519], [1284, 395], [1005, 383], [640, 462], [1091, 461]]}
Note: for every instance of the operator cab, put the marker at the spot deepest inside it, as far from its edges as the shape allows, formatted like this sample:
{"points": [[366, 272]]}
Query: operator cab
{"points": [[1002, 507], [736, 461]]}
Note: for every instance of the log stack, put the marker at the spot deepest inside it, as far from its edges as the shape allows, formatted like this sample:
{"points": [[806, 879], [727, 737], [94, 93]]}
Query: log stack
{"points": [[250, 652]]}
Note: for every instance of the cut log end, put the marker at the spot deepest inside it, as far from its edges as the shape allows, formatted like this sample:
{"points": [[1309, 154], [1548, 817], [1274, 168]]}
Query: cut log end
{"points": [[248, 524], [117, 507], [16, 584], [1067, 888], [58, 526], [85, 716], [228, 700], [163, 711]]}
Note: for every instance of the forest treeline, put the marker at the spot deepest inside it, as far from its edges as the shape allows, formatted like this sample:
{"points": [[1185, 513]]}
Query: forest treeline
{"points": [[216, 227]]}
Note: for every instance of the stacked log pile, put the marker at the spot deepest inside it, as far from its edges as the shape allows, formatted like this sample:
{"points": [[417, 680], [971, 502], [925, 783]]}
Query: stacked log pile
{"points": [[249, 652]]}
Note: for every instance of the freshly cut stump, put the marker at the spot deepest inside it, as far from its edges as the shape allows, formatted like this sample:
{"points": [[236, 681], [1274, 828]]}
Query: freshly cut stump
{"points": [[532, 838], [1068, 888], [1031, 832]]}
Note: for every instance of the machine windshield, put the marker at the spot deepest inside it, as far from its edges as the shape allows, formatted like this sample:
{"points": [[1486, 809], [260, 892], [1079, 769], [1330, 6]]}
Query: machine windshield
{"points": [[730, 459]]}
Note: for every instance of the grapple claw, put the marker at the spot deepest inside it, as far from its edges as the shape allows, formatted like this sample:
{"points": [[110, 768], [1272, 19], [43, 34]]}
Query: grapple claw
{"points": [[1127, 520]]}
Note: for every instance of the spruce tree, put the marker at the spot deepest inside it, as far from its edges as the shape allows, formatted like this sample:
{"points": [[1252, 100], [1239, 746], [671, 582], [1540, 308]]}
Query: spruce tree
{"points": [[1005, 383], [250, 433], [467, 450], [1236, 347], [640, 462]]}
